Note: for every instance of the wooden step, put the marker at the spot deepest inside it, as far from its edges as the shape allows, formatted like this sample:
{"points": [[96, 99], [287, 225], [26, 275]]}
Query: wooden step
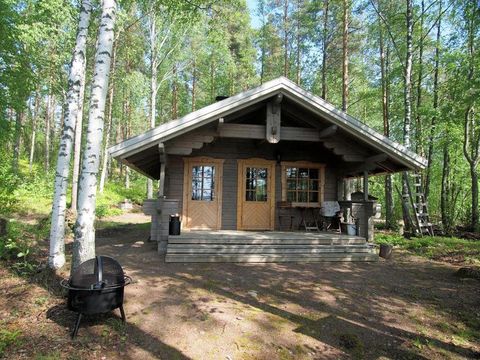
{"points": [[265, 249], [250, 241], [269, 258]]}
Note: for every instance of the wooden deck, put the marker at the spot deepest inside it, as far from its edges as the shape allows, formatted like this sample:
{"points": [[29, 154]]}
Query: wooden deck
{"points": [[267, 246]]}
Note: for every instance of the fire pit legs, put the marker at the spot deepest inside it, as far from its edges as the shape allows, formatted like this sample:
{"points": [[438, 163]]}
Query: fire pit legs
{"points": [[77, 325], [124, 318]]}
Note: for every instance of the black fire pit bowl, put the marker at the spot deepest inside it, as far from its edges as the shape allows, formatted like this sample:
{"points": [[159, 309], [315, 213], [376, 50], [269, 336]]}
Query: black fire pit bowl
{"points": [[96, 287]]}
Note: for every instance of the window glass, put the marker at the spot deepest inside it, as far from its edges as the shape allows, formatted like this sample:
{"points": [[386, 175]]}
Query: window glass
{"points": [[203, 182], [302, 184], [256, 184]]}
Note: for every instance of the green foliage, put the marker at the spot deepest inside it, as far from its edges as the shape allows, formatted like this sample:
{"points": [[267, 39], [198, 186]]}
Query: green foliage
{"points": [[114, 193], [8, 185], [20, 244], [435, 247], [8, 338]]}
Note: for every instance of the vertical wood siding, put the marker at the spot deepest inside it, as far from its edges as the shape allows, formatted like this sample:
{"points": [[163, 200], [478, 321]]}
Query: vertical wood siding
{"points": [[233, 149]]}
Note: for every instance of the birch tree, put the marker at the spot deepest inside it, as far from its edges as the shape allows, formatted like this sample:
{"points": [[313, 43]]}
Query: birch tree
{"points": [[76, 77], [84, 243]]}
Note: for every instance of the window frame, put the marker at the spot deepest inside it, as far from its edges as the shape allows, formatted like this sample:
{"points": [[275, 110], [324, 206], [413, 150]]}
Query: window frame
{"points": [[304, 165]]}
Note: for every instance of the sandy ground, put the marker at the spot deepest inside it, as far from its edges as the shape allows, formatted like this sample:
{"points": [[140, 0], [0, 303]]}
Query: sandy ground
{"points": [[405, 308]]}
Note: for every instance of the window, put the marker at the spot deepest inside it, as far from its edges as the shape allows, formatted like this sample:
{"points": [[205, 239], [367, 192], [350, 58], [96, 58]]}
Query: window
{"points": [[302, 183], [256, 184], [203, 182]]}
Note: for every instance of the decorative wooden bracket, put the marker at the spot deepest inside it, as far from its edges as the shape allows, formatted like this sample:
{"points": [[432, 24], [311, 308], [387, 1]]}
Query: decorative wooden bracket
{"points": [[273, 122]]}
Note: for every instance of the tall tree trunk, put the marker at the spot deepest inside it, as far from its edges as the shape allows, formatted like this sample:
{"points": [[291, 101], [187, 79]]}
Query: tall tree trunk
{"points": [[298, 60], [18, 139], [345, 78], [212, 79], [384, 65], [77, 149], [47, 132], [407, 91], [324, 49], [285, 38], [408, 78], [174, 92], [471, 135], [108, 130], [194, 85], [433, 123], [418, 118], [444, 199], [77, 74], [36, 108], [84, 244], [153, 85], [127, 123]]}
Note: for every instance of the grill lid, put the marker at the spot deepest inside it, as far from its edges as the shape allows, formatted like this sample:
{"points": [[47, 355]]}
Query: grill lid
{"points": [[98, 273]]}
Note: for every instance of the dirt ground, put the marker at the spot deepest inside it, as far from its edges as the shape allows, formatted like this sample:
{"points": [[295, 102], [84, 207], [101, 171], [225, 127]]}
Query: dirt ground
{"points": [[404, 308]]}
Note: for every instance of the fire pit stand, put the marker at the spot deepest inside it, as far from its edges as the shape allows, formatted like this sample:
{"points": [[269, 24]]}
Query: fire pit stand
{"points": [[97, 286]]}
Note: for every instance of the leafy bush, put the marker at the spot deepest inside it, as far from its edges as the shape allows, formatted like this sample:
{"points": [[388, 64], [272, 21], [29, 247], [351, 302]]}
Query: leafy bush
{"points": [[8, 185]]}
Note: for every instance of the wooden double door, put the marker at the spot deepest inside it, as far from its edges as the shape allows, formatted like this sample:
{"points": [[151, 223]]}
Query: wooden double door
{"points": [[256, 194]]}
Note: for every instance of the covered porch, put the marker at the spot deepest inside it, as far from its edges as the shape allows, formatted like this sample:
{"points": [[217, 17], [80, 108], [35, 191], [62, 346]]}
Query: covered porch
{"points": [[266, 246], [235, 164]]}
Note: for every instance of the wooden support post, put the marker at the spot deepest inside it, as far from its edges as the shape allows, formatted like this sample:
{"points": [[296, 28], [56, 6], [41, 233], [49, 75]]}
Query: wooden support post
{"points": [[163, 163], [365, 185]]}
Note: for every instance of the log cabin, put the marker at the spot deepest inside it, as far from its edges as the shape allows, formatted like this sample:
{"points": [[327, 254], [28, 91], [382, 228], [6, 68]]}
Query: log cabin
{"points": [[250, 174]]}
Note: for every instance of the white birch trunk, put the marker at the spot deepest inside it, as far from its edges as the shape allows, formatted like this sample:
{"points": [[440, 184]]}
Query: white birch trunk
{"points": [[77, 147], [56, 257], [105, 156], [153, 84], [84, 244]]}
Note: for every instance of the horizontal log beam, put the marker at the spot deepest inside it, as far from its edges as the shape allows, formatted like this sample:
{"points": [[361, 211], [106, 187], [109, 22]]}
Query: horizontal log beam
{"points": [[329, 131], [258, 132]]}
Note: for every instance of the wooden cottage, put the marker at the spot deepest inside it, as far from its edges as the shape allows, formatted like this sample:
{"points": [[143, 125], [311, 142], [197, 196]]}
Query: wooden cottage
{"points": [[250, 175]]}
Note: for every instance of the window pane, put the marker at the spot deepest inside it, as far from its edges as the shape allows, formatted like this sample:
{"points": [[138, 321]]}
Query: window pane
{"points": [[313, 196], [291, 184], [196, 195], [313, 185], [291, 173], [313, 173], [203, 182], [250, 196], [262, 173], [197, 171], [208, 171], [302, 196], [303, 184], [207, 195], [291, 196], [303, 173]]}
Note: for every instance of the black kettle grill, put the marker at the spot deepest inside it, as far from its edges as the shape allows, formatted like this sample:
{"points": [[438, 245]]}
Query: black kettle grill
{"points": [[96, 287]]}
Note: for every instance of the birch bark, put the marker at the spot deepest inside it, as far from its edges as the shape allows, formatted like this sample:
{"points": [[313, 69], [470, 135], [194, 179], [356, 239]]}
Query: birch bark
{"points": [[153, 84], [56, 257], [84, 243], [77, 150]]}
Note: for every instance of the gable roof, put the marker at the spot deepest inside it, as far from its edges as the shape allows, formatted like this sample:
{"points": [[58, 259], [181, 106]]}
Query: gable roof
{"points": [[293, 92]]}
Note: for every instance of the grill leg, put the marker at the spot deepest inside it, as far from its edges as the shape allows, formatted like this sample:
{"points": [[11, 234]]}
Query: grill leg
{"points": [[77, 325], [124, 318]]}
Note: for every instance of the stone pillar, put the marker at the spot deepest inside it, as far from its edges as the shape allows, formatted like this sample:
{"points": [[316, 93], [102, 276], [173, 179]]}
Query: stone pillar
{"points": [[165, 208]]}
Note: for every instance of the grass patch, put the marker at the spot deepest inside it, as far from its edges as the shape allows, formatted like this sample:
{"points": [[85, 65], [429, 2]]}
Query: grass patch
{"points": [[451, 249], [8, 338]]}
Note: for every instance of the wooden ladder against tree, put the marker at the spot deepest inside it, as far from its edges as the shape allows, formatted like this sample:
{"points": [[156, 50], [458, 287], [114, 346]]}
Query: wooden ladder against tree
{"points": [[420, 208]]}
